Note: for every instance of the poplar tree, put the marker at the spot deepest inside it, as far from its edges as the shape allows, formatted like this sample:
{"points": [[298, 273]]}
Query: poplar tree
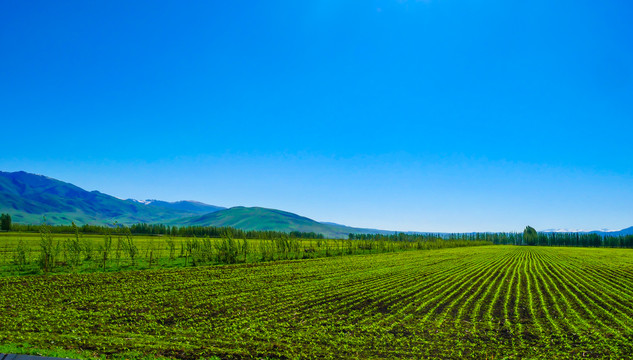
{"points": [[530, 236]]}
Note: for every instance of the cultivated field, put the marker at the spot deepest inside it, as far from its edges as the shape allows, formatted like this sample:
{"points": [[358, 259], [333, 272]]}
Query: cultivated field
{"points": [[39, 253], [483, 302]]}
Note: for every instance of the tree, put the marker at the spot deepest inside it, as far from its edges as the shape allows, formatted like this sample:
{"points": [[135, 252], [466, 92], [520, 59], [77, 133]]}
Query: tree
{"points": [[5, 222], [530, 236]]}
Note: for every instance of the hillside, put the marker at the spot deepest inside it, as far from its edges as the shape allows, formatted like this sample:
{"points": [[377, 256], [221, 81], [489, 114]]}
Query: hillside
{"points": [[29, 197], [257, 218], [188, 206]]}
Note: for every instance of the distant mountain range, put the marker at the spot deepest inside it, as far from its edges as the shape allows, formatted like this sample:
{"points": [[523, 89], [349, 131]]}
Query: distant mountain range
{"points": [[257, 218], [627, 231], [28, 198]]}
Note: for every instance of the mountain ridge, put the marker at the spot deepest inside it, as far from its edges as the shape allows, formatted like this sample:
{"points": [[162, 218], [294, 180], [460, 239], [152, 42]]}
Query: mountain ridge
{"points": [[28, 198], [263, 219], [603, 232]]}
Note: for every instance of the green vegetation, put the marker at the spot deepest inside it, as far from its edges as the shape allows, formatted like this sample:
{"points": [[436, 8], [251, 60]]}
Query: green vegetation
{"points": [[91, 248], [62, 203], [118, 249], [619, 239], [484, 302], [262, 219], [530, 236], [533, 238], [161, 229]]}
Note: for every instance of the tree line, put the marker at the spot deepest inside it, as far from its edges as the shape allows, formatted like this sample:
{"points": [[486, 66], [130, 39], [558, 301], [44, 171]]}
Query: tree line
{"points": [[494, 238], [531, 237], [161, 229], [528, 237]]}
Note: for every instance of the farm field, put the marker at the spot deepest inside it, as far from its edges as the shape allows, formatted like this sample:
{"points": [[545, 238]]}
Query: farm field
{"points": [[24, 253], [155, 251], [482, 302]]}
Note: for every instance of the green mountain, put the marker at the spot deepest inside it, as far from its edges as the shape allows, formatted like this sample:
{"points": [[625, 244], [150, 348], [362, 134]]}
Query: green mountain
{"points": [[257, 218], [186, 206], [29, 197]]}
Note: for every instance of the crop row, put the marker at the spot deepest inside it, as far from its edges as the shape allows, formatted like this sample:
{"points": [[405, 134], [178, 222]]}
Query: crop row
{"points": [[490, 301]]}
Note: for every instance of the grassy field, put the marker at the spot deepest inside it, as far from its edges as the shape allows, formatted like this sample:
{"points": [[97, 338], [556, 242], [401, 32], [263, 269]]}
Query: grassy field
{"points": [[34, 253], [483, 302], [151, 251]]}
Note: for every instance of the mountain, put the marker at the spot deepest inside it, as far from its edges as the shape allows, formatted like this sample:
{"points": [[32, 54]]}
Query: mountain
{"points": [[604, 232], [257, 218], [29, 197], [188, 206], [627, 231]]}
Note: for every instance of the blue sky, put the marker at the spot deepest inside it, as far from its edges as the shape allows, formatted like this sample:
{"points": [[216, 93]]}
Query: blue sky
{"points": [[409, 115]]}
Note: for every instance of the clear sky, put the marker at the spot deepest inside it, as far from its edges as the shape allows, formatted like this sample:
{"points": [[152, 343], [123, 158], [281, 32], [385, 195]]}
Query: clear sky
{"points": [[436, 115]]}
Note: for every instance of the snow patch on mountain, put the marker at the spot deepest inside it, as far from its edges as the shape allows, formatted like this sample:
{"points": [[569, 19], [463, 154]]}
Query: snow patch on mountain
{"points": [[145, 202]]}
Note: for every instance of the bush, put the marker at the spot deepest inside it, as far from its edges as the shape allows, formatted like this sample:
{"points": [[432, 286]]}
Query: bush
{"points": [[227, 250], [171, 246], [48, 251], [130, 248], [20, 257]]}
